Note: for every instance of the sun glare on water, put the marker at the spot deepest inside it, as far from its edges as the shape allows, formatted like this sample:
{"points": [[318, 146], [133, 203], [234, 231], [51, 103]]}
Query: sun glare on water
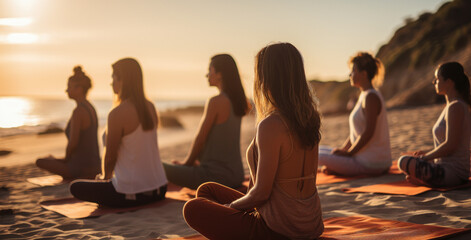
{"points": [[15, 22], [14, 112], [22, 38]]}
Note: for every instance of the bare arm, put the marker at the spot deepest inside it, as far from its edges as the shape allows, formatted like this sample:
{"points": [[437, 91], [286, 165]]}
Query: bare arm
{"points": [[371, 108], [453, 131], [345, 146], [269, 139], [209, 117], [74, 134], [114, 135]]}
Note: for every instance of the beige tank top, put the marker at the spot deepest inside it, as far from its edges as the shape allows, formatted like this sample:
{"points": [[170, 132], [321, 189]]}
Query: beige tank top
{"points": [[292, 217]]}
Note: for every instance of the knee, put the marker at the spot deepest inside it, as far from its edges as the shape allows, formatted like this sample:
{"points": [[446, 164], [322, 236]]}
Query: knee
{"points": [[401, 163], [74, 188], [190, 211], [205, 189], [40, 162]]}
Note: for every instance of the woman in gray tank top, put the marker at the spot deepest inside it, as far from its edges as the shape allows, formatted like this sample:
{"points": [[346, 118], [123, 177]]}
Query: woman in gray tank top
{"points": [[215, 152], [82, 158], [448, 163]]}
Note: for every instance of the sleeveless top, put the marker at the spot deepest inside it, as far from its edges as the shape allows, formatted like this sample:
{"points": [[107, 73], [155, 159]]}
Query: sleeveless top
{"points": [[138, 167], [85, 160], [292, 217], [221, 153], [459, 159], [376, 154]]}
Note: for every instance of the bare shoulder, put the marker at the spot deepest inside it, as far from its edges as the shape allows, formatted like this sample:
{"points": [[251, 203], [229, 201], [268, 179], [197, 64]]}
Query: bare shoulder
{"points": [[272, 125], [121, 111], [219, 100], [457, 107]]}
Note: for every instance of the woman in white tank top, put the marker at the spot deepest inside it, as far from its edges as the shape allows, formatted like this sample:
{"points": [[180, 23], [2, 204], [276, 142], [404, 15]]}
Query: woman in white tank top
{"points": [[132, 173], [367, 151], [447, 164]]}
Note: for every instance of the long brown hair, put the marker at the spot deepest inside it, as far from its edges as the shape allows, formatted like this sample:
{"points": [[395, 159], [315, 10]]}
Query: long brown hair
{"points": [[373, 66], [231, 84], [280, 84], [129, 72]]}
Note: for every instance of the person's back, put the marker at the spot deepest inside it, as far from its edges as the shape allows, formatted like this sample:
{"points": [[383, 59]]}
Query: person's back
{"points": [[138, 167], [85, 161], [221, 153], [293, 208]]}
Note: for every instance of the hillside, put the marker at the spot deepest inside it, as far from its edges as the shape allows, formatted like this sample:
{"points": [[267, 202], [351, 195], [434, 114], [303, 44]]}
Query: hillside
{"points": [[410, 58], [415, 50]]}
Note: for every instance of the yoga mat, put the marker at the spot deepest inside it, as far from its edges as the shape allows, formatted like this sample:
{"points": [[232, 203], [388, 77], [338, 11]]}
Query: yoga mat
{"points": [[401, 187], [323, 178], [74, 208], [184, 194], [50, 180], [363, 227]]}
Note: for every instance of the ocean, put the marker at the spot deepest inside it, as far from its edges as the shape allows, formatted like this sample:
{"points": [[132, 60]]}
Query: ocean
{"points": [[31, 115]]}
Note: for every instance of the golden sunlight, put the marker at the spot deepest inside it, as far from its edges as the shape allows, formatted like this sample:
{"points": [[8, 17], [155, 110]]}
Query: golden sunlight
{"points": [[15, 21], [21, 38], [15, 112]]}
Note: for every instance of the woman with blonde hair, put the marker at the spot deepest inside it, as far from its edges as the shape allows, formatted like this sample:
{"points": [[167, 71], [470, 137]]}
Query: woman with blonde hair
{"points": [[82, 157], [447, 164], [132, 173], [367, 151], [282, 201], [215, 152]]}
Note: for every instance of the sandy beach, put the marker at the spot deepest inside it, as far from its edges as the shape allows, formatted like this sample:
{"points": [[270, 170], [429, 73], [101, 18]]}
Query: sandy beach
{"points": [[21, 216]]}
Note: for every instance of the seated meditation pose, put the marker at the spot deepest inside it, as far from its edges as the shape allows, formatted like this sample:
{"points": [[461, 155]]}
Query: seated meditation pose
{"points": [[215, 152], [282, 201], [447, 164], [132, 173], [82, 157], [367, 150]]}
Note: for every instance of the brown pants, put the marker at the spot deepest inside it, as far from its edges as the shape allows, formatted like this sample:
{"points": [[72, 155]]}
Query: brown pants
{"points": [[207, 214]]}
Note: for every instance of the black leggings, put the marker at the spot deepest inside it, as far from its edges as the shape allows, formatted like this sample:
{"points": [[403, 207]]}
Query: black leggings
{"points": [[104, 193]]}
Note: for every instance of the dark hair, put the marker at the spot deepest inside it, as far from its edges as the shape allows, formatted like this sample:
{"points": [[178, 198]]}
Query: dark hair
{"points": [[455, 72], [129, 72], [280, 83], [81, 79], [373, 67], [231, 84]]}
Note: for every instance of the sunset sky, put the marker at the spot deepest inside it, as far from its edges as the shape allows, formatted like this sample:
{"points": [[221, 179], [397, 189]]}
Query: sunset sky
{"points": [[42, 40]]}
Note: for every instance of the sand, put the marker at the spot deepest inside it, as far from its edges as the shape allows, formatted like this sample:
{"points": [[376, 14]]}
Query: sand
{"points": [[21, 217]]}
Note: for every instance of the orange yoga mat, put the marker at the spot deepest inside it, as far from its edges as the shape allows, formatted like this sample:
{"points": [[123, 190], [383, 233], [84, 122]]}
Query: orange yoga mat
{"points": [[323, 178], [363, 227], [185, 194], [401, 187], [50, 180], [74, 208]]}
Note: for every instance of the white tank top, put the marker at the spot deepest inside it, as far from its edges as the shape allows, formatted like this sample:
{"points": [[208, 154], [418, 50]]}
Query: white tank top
{"points": [[138, 168], [376, 154]]}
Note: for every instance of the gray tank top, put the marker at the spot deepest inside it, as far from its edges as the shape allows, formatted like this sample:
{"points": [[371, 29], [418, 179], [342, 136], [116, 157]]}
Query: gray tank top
{"points": [[221, 154], [85, 160], [459, 159]]}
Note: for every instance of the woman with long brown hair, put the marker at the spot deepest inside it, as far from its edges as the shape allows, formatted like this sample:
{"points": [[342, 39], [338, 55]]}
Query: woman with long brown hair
{"points": [[447, 164], [217, 144], [282, 201], [132, 173], [82, 157]]}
